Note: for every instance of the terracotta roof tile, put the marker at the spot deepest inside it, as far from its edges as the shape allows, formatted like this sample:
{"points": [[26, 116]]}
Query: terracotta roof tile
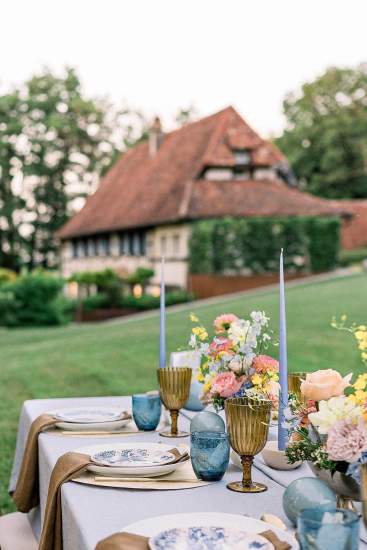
{"points": [[141, 190]]}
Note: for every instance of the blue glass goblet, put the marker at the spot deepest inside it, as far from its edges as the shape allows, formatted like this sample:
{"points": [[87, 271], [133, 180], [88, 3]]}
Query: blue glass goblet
{"points": [[328, 529], [209, 455], [146, 411]]}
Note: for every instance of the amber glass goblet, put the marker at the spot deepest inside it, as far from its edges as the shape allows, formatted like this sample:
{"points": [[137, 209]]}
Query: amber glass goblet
{"points": [[174, 389], [248, 422], [294, 384]]}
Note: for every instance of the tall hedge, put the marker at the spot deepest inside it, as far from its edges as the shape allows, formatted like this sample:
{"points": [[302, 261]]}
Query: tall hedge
{"points": [[252, 245]]}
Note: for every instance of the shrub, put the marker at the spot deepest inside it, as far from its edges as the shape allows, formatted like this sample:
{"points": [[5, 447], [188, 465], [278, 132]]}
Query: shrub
{"points": [[252, 245], [34, 299], [7, 275], [140, 276], [147, 301], [96, 301], [107, 282]]}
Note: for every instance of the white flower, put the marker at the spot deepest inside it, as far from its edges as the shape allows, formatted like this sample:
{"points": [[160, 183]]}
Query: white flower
{"points": [[192, 342], [238, 331], [336, 408], [259, 317], [266, 337], [204, 348]]}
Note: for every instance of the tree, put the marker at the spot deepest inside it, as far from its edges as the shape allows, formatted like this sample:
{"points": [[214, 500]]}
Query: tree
{"points": [[326, 135], [54, 145]]}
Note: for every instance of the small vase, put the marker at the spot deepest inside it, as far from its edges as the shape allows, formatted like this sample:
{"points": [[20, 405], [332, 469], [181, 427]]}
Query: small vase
{"points": [[190, 359], [345, 487]]}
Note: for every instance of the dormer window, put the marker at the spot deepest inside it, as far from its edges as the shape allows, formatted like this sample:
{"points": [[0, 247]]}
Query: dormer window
{"points": [[242, 157]]}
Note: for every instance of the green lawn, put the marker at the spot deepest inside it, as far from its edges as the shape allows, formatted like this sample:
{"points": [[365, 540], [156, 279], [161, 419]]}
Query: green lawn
{"points": [[121, 357]]}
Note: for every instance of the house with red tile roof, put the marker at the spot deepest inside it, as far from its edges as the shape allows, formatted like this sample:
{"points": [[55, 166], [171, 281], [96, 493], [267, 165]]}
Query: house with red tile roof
{"points": [[145, 205]]}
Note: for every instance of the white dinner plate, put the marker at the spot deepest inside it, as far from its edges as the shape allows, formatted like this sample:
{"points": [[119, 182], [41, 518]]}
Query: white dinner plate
{"points": [[143, 471], [89, 415], [98, 425], [152, 527]]}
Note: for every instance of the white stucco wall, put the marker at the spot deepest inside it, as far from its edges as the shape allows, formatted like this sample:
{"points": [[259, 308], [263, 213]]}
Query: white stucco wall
{"points": [[168, 241]]}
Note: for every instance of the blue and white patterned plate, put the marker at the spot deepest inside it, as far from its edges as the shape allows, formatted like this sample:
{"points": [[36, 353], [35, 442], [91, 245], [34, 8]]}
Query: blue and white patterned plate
{"points": [[132, 457], [208, 538]]}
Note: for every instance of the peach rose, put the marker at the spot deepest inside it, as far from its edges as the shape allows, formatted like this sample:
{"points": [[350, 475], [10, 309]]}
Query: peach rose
{"points": [[226, 384], [324, 384], [265, 363], [223, 322]]}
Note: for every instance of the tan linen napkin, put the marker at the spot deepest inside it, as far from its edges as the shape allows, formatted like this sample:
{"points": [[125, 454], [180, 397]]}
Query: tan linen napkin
{"points": [[68, 466], [26, 494], [128, 541]]}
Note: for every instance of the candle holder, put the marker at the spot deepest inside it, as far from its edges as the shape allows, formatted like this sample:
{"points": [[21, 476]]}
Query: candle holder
{"points": [[174, 385], [248, 425]]}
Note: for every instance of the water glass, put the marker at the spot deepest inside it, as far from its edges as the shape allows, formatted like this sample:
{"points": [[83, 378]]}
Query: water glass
{"points": [[328, 530], [146, 410], [209, 455]]}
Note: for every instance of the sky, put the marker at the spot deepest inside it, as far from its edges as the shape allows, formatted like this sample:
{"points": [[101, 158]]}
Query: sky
{"points": [[160, 55]]}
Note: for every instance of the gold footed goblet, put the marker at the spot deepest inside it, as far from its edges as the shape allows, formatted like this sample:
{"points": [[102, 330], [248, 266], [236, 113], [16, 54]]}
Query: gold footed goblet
{"points": [[248, 422], [174, 389], [294, 384]]}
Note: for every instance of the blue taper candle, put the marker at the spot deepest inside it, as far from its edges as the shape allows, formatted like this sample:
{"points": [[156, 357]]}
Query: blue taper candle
{"points": [[162, 334], [283, 363]]}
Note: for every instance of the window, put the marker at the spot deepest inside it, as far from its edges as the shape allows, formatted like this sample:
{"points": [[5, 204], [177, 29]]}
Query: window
{"points": [[104, 246], [123, 244], [163, 246], [74, 249], [131, 243], [92, 249], [82, 249], [176, 245], [142, 240], [242, 157]]}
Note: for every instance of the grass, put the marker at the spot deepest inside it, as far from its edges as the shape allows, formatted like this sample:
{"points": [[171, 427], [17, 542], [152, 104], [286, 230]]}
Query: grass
{"points": [[121, 357]]}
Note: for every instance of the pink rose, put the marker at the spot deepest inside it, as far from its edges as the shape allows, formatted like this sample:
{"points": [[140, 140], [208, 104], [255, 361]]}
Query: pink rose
{"points": [[225, 384], [324, 384], [265, 363], [223, 322]]}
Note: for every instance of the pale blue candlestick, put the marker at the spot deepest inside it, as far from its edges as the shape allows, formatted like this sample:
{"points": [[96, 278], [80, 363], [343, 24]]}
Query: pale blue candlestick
{"points": [[162, 334], [283, 363]]}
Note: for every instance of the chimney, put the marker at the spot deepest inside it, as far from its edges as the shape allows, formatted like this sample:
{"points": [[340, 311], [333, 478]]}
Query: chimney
{"points": [[155, 137]]}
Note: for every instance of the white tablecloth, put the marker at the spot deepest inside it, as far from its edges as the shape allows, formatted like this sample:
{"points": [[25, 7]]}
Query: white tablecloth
{"points": [[90, 514]]}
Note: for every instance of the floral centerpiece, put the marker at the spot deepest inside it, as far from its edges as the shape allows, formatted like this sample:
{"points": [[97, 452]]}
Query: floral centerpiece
{"points": [[329, 427], [233, 362]]}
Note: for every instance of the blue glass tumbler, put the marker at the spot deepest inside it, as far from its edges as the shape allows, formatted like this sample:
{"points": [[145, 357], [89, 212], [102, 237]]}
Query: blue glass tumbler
{"points": [[209, 455], [328, 529], [146, 411]]}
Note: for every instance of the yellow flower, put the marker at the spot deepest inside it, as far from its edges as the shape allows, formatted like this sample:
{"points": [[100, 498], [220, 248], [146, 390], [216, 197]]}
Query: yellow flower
{"points": [[360, 383], [257, 380], [362, 345], [360, 334], [193, 318], [200, 332], [362, 327], [364, 356], [207, 386], [200, 377], [361, 396]]}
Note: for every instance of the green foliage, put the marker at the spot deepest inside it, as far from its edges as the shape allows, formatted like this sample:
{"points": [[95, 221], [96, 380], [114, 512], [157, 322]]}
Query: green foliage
{"points": [[140, 276], [57, 142], [34, 300], [349, 257], [96, 301], [235, 246], [325, 139], [324, 243], [7, 275], [147, 301], [107, 281]]}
